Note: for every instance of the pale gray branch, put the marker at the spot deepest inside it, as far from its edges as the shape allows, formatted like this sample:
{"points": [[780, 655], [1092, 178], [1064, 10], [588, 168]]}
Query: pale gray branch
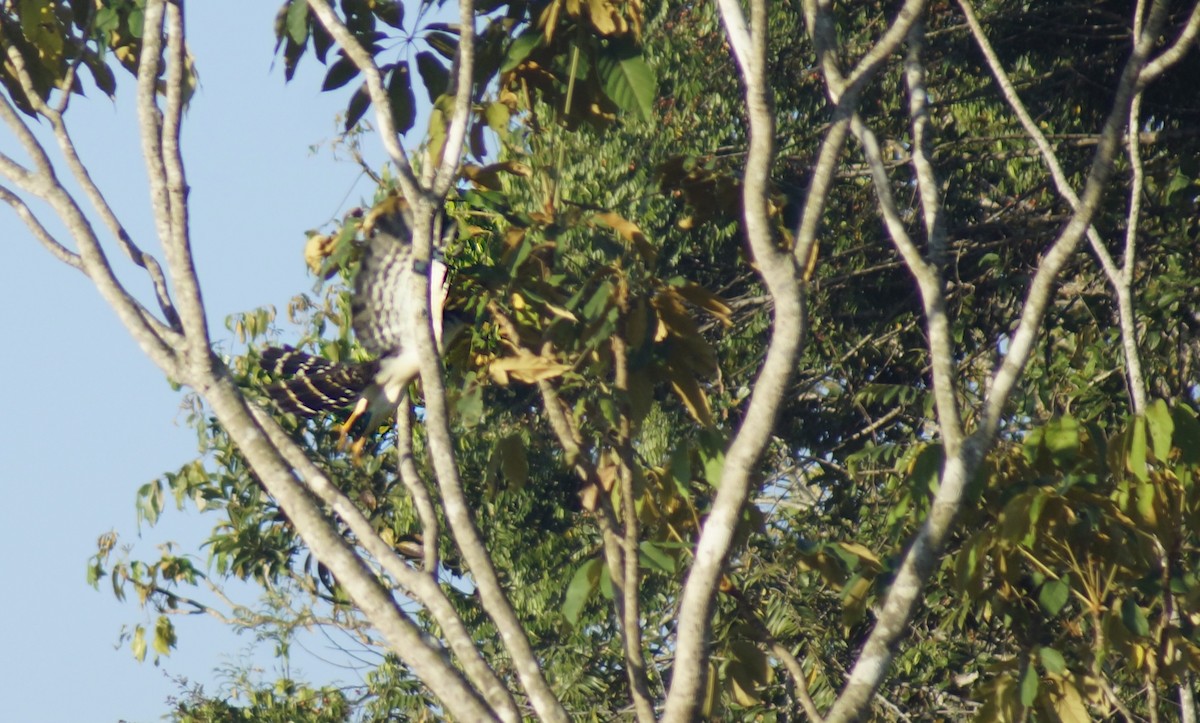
{"points": [[1176, 51], [406, 468], [919, 561], [930, 284], [149, 333], [388, 134], [464, 63], [44, 237], [421, 585], [92, 191], [783, 281], [177, 240], [265, 448]]}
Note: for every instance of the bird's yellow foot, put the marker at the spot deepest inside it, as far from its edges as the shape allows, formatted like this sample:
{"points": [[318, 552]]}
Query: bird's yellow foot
{"points": [[345, 427]]}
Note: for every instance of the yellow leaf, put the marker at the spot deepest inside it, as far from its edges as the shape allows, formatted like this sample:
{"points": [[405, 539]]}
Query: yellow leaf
{"points": [[629, 231], [861, 552], [1068, 704], [526, 368], [699, 296], [316, 250], [604, 17], [560, 312], [692, 396], [548, 20], [489, 176]]}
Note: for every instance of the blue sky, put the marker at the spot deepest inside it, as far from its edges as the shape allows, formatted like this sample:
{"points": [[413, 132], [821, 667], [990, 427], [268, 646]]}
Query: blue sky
{"points": [[87, 419]]}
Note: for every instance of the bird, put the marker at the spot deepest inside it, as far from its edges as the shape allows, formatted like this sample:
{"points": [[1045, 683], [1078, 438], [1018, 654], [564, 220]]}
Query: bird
{"points": [[384, 318]]}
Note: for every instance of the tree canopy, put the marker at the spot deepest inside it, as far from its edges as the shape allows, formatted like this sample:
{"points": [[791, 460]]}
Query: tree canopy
{"points": [[822, 361]]}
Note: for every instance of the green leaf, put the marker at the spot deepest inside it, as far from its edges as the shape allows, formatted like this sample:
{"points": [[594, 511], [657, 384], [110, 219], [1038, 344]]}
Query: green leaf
{"points": [[498, 116], [1187, 435], [400, 96], [627, 80], [435, 75], [749, 672], [520, 49], [1029, 686], [164, 635], [926, 467], [1134, 618], [653, 556], [714, 464], [583, 583], [138, 645], [1162, 428], [297, 21], [1053, 596], [1136, 461], [1052, 660], [1061, 438]]}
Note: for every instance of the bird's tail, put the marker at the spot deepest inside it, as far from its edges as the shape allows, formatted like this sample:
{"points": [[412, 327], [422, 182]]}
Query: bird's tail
{"points": [[309, 385]]}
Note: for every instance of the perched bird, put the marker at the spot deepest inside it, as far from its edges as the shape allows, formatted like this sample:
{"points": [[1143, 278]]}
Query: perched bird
{"points": [[384, 318]]}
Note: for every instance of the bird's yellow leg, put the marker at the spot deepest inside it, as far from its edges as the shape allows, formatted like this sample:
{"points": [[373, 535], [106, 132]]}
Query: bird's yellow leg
{"points": [[344, 428]]}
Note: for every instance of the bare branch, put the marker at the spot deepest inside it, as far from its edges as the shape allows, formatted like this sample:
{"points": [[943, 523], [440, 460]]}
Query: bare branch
{"points": [[464, 61], [406, 468], [1040, 288], [777, 649], [79, 171], [918, 112], [929, 281], [57, 250], [265, 447], [149, 333], [783, 281], [1176, 51], [421, 585], [388, 134], [918, 563], [630, 612], [177, 241]]}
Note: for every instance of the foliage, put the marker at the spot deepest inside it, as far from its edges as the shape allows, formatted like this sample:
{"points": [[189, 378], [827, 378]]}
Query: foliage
{"points": [[617, 324]]}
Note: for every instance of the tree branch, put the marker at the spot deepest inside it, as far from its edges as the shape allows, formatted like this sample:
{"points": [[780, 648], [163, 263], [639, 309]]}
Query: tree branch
{"points": [[166, 191], [918, 563], [783, 281], [630, 615], [422, 586], [388, 134], [406, 468], [150, 334], [51, 244], [265, 448]]}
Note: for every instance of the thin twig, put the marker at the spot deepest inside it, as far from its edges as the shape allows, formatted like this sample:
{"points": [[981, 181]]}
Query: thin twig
{"points": [[406, 469]]}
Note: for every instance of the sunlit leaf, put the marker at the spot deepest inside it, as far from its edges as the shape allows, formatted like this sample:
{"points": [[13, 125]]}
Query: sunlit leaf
{"points": [[1052, 660], [627, 80], [583, 584], [297, 21], [520, 49], [1162, 428], [1136, 461], [1029, 686], [1054, 595]]}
